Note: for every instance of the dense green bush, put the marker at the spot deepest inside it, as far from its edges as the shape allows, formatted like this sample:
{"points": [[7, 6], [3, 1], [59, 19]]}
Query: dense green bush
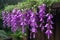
{"points": [[29, 4]]}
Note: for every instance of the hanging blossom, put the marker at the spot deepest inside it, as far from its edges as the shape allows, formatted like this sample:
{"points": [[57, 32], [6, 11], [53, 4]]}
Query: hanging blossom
{"points": [[23, 22], [49, 25], [4, 16], [19, 19], [42, 13], [8, 19], [14, 19], [33, 23]]}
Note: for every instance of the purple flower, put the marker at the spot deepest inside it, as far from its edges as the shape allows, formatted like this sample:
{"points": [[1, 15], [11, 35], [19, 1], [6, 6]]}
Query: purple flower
{"points": [[33, 29], [18, 19], [49, 24], [42, 13], [4, 17], [48, 33], [33, 23], [14, 11]]}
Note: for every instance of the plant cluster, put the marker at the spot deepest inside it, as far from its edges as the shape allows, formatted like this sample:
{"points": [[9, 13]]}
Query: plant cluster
{"points": [[21, 19]]}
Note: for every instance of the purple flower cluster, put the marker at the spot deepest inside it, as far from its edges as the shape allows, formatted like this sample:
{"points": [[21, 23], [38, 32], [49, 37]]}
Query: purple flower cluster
{"points": [[18, 19], [33, 23], [49, 25], [42, 14], [4, 18], [14, 19]]}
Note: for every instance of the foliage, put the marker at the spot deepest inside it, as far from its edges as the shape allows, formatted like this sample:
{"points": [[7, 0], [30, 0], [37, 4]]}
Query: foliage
{"points": [[31, 3], [3, 34], [18, 34], [3, 3], [9, 8]]}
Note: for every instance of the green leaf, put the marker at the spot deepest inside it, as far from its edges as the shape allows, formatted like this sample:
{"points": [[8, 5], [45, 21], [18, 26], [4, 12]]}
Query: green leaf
{"points": [[9, 7], [20, 36], [3, 34]]}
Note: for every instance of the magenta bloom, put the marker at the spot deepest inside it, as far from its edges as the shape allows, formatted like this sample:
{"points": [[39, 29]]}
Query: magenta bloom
{"points": [[48, 33], [42, 13], [49, 25], [4, 18], [18, 19]]}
